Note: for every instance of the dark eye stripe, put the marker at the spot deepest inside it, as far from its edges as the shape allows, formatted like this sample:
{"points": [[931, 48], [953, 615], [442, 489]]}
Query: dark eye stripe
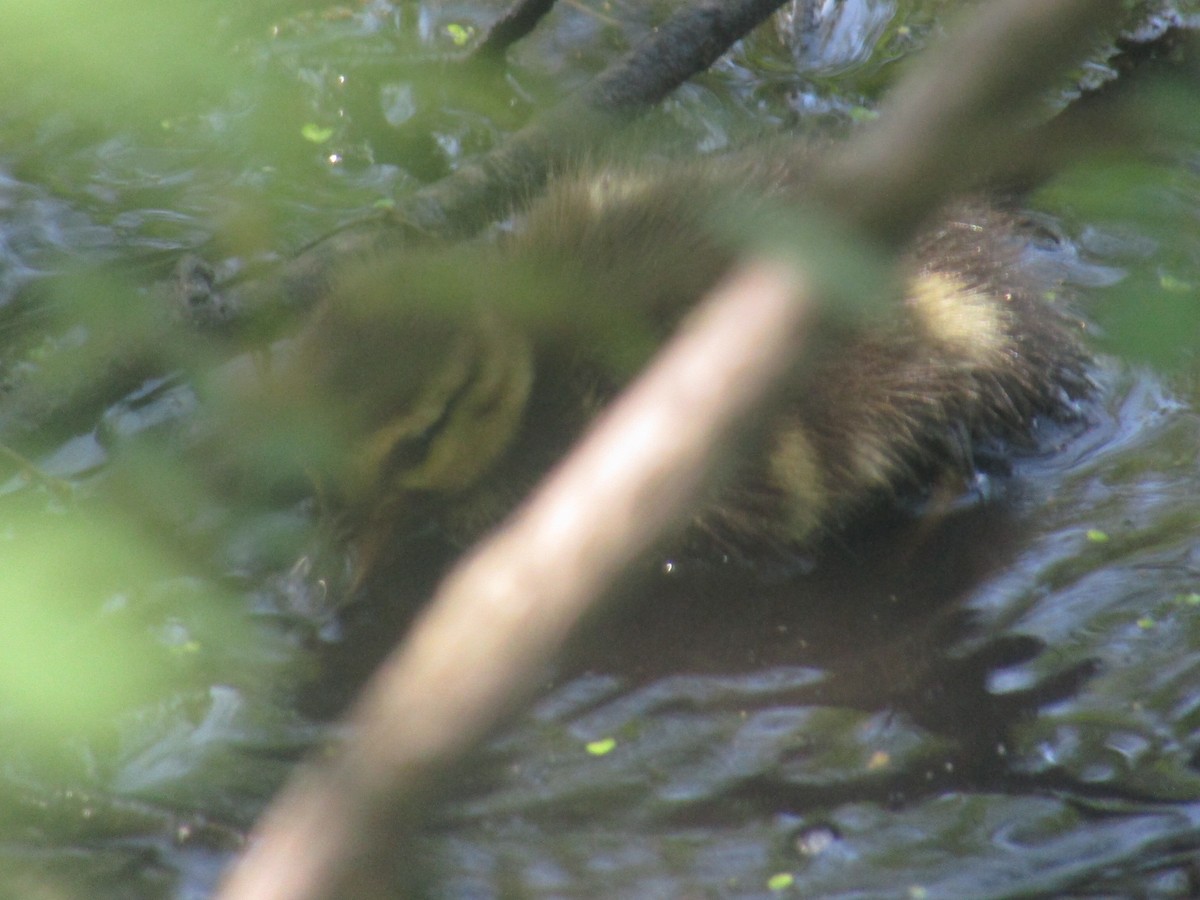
{"points": [[412, 450]]}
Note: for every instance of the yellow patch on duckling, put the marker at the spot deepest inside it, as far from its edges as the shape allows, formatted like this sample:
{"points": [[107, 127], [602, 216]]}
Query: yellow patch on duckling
{"points": [[872, 460], [966, 321], [797, 472], [611, 188]]}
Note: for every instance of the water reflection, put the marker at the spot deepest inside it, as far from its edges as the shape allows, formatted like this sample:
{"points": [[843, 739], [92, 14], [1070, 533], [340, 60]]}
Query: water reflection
{"points": [[834, 35]]}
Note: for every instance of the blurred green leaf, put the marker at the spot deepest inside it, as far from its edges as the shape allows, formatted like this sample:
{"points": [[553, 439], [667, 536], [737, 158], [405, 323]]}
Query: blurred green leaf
{"points": [[76, 649], [855, 278], [107, 59], [1153, 313]]}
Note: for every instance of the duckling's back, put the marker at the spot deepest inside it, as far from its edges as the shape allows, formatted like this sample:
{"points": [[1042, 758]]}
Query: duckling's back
{"points": [[974, 355]]}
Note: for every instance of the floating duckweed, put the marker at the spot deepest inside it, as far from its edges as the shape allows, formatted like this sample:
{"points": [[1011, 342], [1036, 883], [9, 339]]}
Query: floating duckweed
{"points": [[315, 134], [1173, 284], [1096, 536], [1192, 599], [1146, 623], [602, 746], [781, 881], [459, 34]]}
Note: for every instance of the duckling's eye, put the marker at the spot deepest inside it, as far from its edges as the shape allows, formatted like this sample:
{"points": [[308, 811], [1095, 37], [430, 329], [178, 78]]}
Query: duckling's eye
{"points": [[461, 420], [408, 452]]}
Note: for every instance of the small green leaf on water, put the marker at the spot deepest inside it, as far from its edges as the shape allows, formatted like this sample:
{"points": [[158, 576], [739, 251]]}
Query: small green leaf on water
{"points": [[315, 133], [1096, 536], [602, 746], [459, 34], [781, 881], [916, 892], [1192, 599], [1173, 284], [1146, 623]]}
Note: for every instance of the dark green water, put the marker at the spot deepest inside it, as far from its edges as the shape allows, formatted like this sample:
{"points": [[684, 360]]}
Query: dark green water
{"points": [[1000, 703]]}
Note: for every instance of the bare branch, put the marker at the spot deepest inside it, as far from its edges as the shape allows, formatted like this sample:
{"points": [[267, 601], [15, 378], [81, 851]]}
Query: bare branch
{"points": [[520, 19]]}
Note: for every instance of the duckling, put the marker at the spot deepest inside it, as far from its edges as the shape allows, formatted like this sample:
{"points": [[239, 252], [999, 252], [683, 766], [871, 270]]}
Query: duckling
{"points": [[459, 375]]}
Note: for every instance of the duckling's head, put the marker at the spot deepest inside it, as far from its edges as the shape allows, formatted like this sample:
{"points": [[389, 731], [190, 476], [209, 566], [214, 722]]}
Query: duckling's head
{"points": [[386, 394]]}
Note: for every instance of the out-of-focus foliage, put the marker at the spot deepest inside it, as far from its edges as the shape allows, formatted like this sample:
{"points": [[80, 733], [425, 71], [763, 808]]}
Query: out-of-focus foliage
{"points": [[83, 640], [107, 61], [1142, 208]]}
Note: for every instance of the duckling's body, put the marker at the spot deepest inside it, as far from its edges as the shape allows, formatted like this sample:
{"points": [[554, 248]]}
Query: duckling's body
{"points": [[462, 374]]}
